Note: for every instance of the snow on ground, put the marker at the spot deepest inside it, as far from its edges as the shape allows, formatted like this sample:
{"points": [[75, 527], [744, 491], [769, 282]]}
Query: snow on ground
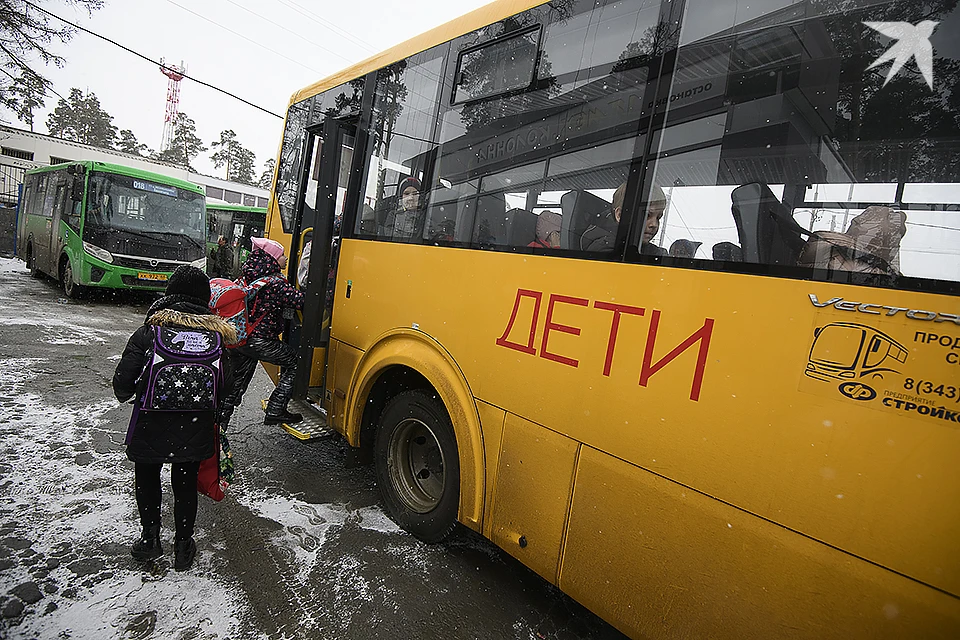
{"points": [[67, 508], [67, 511], [75, 507]]}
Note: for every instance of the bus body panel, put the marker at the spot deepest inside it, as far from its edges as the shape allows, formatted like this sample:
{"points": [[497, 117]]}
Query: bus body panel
{"points": [[700, 568], [855, 474], [531, 494], [492, 421]]}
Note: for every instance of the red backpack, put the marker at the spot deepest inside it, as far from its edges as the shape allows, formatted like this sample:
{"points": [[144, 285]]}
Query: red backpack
{"points": [[236, 303]]}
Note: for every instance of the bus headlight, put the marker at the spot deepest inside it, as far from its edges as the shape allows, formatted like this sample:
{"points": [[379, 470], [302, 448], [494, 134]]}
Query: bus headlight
{"points": [[200, 264], [97, 252]]}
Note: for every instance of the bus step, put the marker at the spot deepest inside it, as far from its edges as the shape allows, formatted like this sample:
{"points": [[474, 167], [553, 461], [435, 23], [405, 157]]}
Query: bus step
{"points": [[314, 425]]}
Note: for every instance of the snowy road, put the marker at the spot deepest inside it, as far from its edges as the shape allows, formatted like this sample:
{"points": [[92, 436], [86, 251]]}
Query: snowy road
{"points": [[298, 549]]}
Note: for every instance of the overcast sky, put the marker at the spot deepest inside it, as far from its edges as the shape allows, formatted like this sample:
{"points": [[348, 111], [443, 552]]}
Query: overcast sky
{"points": [[262, 50]]}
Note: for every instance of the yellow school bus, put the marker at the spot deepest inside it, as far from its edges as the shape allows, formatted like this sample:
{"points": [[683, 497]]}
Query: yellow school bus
{"points": [[660, 297]]}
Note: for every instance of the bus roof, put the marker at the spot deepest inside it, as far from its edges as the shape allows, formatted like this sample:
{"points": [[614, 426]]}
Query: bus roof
{"points": [[224, 206], [481, 17], [120, 169]]}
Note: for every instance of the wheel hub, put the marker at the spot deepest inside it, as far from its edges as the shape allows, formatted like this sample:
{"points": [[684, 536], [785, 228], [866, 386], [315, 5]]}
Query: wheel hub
{"points": [[416, 465]]}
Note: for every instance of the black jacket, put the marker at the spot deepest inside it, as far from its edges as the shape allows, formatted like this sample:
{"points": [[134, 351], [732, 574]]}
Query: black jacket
{"points": [[601, 236], [273, 298], [170, 436]]}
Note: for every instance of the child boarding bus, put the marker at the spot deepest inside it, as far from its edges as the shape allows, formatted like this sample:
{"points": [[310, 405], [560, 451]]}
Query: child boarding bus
{"points": [[236, 224], [660, 297], [91, 224]]}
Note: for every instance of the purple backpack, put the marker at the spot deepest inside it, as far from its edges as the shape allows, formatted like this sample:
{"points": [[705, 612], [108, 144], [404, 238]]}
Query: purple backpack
{"points": [[183, 374]]}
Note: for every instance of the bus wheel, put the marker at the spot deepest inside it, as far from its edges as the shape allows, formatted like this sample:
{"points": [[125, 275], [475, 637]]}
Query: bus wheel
{"points": [[71, 288], [32, 263], [418, 468]]}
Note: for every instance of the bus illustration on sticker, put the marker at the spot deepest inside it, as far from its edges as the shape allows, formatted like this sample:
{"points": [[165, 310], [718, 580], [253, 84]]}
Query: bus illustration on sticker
{"points": [[848, 351]]}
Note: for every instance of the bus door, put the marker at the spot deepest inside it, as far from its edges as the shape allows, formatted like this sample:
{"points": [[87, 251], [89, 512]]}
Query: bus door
{"points": [[60, 212], [323, 196], [41, 208]]}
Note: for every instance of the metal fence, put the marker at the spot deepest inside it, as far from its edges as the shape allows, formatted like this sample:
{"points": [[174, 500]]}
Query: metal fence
{"points": [[10, 179]]}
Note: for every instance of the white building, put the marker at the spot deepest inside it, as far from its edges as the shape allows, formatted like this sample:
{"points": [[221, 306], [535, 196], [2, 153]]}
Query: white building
{"points": [[21, 150]]}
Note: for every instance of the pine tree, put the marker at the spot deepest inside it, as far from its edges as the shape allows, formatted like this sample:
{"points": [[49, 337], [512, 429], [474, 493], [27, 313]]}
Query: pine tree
{"points": [[239, 161], [82, 119], [185, 144], [266, 178], [26, 95], [128, 143]]}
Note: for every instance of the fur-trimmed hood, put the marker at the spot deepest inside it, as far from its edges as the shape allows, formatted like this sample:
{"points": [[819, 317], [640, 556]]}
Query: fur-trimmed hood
{"points": [[173, 318]]}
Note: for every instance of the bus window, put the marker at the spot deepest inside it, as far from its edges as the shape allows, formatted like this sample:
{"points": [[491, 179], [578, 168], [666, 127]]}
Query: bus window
{"points": [[399, 145], [580, 124], [772, 164], [39, 195]]}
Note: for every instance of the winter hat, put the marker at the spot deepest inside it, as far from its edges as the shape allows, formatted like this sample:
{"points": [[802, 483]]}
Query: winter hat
{"points": [[189, 281], [547, 223], [408, 182], [273, 248]]}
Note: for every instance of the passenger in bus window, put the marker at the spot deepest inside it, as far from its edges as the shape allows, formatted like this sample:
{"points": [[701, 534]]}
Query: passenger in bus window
{"points": [[651, 223], [879, 231], [548, 231], [603, 235], [871, 244], [402, 224]]}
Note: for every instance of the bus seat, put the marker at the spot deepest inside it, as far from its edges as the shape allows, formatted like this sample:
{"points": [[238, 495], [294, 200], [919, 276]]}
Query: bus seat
{"points": [[768, 233], [728, 252], [683, 248], [523, 227], [489, 226], [581, 209]]}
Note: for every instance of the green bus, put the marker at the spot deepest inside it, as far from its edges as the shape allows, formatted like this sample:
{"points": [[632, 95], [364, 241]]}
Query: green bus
{"points": [[92, 224], [237, 224]]}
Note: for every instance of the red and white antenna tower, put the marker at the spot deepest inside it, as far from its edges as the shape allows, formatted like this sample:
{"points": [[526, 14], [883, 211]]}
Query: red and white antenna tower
{"points": [[175, 75]]}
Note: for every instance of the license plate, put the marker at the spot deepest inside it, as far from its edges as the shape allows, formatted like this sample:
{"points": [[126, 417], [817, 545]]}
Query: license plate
{"points": [[151, 276]]}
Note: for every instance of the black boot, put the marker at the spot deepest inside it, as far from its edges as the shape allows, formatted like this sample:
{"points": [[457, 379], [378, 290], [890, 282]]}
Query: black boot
{"points": [[185, 551], [283, 417], [148, 546]]}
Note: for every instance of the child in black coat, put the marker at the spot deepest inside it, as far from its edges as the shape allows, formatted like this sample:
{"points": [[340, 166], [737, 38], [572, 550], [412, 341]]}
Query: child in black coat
{"points": [[182, 438]]}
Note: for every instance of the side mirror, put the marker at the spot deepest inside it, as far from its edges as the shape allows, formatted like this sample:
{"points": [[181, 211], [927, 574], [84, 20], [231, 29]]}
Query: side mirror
{"points": [[76, 188]]}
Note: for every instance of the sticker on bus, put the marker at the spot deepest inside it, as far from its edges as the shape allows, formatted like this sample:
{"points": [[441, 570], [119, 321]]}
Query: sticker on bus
{"points": [[155, 188], [887, 366], [151, 276]]}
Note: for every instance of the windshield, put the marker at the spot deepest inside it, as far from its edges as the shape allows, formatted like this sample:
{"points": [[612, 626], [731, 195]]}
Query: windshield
{"points": [[155, 213]]}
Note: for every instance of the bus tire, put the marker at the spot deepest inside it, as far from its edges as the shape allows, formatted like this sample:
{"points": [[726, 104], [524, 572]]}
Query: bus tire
{"points": [[418, 466], [72, 290], [32, 262]]}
